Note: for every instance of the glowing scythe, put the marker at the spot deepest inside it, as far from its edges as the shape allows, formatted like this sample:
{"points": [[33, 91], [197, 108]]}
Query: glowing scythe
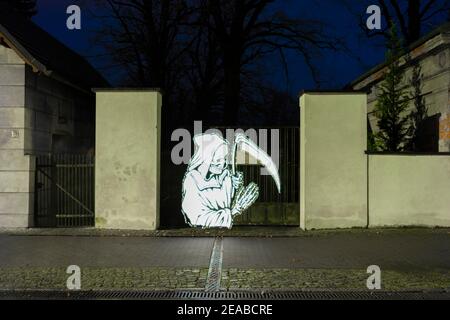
{"points": [[245, 144]]}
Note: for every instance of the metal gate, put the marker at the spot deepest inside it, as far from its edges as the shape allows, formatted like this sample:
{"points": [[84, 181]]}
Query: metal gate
{"points": [[272, 208], [64, 191]]}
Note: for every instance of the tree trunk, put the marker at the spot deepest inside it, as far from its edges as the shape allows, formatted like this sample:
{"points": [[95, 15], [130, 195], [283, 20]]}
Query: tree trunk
{"points": [[414, 21], [232, 86]]}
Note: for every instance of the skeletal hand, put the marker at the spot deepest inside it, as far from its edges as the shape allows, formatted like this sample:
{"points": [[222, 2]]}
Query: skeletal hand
{"points": [[245, 198], [238, 181]]}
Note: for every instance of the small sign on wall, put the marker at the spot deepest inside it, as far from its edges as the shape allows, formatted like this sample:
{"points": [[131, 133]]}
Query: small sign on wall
{"points": [[15, 134]]}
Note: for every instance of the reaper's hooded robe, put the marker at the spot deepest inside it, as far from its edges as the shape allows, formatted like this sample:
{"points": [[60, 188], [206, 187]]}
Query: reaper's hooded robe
{"points": [[207, 197]]}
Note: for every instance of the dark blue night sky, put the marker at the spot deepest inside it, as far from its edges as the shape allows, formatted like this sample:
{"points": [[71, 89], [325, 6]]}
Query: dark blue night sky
{"points": [[336, 69]]}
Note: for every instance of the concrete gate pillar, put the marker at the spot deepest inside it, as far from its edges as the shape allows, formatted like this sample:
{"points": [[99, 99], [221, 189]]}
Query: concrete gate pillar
{"points": [[127, 165], [333, 165]]}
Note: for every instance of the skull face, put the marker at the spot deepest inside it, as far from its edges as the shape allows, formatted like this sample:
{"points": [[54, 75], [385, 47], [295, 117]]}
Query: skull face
{"points": [[219, 161]]}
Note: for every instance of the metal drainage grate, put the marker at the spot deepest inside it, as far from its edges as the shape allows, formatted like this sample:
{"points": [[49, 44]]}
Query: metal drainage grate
{"points": [[236, 295], [215, 267]]}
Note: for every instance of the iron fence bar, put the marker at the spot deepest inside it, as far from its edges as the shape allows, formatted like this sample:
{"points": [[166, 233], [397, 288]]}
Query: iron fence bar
{"points": [[77, 184], [68, 193], [53, 200]]}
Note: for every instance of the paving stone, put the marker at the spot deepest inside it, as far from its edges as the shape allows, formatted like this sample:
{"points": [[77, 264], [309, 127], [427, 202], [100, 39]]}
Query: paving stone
{"points": [[246, 232], [285, 279], [103, 278], [410, 259]]}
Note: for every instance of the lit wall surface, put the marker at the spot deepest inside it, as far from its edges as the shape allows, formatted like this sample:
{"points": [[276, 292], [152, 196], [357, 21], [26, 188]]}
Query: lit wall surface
{"points": [[333, 166], [409, 190], [128, 125], [16, 169]]}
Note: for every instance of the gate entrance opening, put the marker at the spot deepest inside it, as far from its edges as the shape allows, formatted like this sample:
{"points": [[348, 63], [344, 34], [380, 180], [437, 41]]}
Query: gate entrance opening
{"points": [[64, 191], [271, 208]]}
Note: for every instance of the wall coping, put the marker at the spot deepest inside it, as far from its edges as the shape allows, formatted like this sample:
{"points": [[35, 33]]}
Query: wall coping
{"points": [[126, 90], [332, 92], [406, 154]]}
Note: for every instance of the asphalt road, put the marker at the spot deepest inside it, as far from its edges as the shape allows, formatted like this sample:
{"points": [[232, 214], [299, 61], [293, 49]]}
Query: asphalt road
{"points": [[397, 250]]}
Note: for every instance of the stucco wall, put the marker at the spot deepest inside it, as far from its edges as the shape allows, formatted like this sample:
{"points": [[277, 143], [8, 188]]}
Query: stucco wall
{"points": [[33, 108], [127, 159], [16, 168], [60, 118], [409, 190], [333, 174]]}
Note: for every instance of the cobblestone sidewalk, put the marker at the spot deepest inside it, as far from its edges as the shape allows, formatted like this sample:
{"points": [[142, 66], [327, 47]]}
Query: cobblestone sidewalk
{"points": [[339, 279], [247, 232], [104, 278], [232, 279]]}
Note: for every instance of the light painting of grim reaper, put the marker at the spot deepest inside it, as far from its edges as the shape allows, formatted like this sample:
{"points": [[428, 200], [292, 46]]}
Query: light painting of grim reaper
{"points": [[213, 192]]}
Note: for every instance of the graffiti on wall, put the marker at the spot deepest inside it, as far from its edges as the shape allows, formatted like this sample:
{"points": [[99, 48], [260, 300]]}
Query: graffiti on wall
{"points": [[214, 193], [444, 127]]}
